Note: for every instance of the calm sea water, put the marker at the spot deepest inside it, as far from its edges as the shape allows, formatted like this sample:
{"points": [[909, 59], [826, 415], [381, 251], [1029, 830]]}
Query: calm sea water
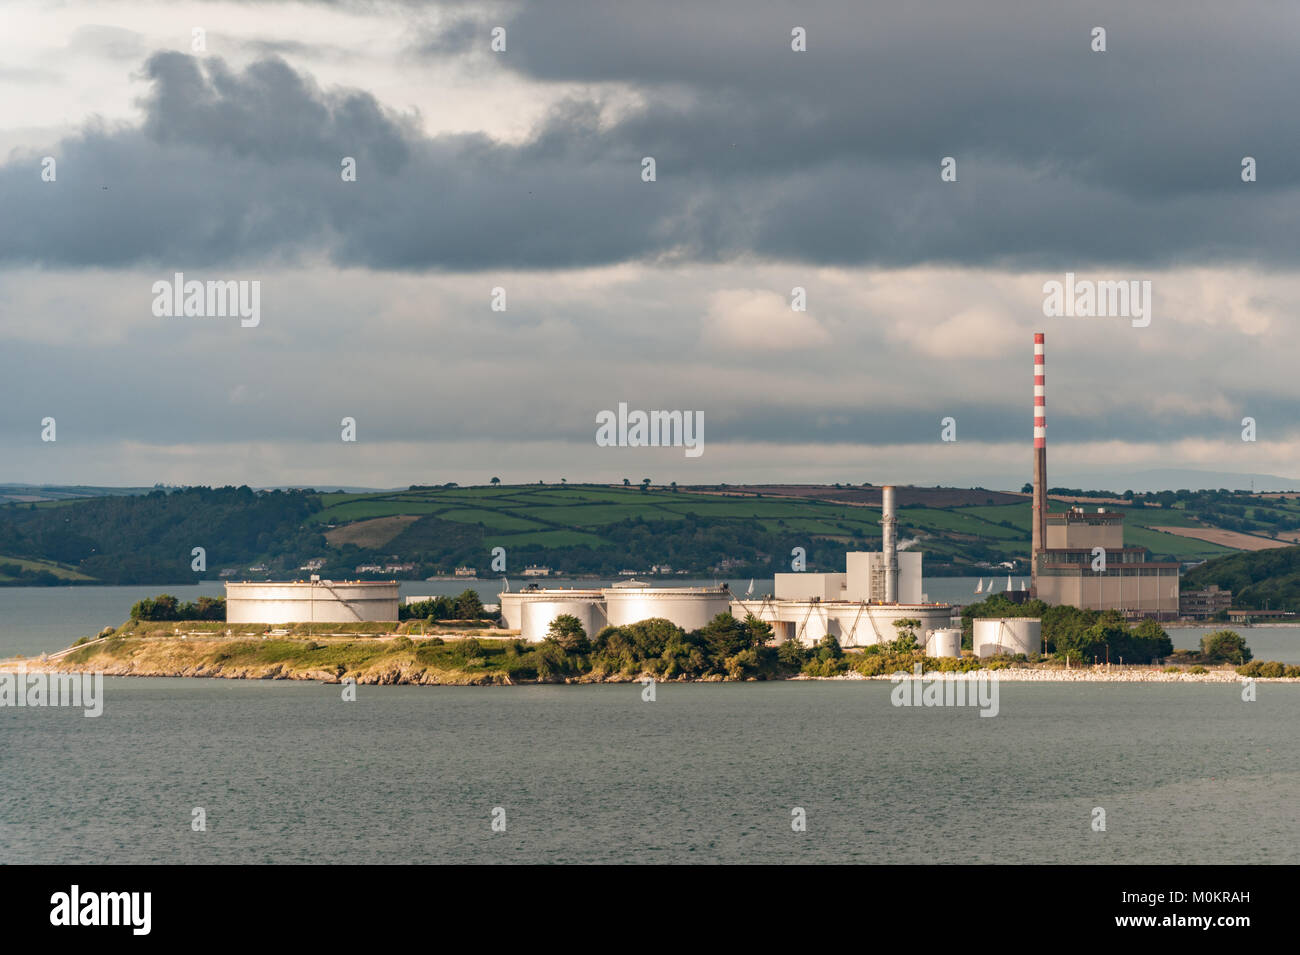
{"points": [[288, 772]]}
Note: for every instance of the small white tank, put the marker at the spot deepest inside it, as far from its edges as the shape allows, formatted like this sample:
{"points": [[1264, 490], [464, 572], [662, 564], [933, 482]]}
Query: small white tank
{"points": [[943, 643], [1010, 635]]}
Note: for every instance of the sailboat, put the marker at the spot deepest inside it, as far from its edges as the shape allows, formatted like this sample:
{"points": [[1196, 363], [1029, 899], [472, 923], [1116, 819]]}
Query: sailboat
{"points": [[1009, 586], [750, 591], [980, 588], [1022, 585]]}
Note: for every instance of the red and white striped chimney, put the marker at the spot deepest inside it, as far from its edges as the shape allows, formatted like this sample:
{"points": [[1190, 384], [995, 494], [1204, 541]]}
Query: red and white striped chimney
{"points": [[1039, 532]]}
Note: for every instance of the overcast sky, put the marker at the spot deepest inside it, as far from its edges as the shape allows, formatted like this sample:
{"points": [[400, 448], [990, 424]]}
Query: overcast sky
{"points": [[522, 170]]}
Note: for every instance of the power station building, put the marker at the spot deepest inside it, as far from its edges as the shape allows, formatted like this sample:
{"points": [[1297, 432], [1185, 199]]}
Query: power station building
{"points": [[1078, 557], [311, 601], [857, 607]]}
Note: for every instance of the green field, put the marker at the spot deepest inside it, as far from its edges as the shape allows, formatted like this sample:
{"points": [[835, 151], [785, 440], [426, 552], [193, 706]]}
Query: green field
{"points": [[64, 573]]}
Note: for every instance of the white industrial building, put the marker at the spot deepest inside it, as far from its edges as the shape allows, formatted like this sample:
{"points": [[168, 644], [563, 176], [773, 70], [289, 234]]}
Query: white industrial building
{"points": [[857, 607], [311, 601], [860, 606]]}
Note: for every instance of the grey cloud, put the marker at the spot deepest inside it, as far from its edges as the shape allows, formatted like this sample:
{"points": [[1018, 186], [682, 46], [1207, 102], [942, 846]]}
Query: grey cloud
{"points": [[1066, 159]]}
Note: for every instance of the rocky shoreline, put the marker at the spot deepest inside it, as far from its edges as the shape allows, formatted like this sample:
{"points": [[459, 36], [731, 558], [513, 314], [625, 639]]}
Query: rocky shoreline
{"points": [[201, 659]]}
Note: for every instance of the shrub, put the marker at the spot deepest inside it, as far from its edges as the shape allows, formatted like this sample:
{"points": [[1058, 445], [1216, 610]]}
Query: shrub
{"points": [[401, 643], [792, 654], [1224, 646], [1198, 669]]}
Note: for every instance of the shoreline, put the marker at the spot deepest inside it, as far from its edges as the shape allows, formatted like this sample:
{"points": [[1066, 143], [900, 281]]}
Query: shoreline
{"points": [[212, 659]]}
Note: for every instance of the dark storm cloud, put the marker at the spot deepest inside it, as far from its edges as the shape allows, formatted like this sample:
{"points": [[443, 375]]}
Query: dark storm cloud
{"points": [[1066, 158]]}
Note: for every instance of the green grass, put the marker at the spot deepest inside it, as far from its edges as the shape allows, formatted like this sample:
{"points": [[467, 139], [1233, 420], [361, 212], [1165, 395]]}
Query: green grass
{"points": [[366, 509], [57, 570], [494, 520], [546, 539], [1180, 548]]}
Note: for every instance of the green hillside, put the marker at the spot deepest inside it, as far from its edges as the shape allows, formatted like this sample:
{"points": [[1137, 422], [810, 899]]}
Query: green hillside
{"points": [[577, 529]]}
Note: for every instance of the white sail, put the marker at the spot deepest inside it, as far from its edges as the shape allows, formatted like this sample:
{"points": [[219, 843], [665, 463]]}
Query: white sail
{"points": [[751, 587], [980, 588], [1009, 586]]}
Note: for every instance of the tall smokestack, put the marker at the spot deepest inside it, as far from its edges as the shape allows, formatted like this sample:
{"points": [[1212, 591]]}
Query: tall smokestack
{"points": [[1040, 462], [889, 542]]}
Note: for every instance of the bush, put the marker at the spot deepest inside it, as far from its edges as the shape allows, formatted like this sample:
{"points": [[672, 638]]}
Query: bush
{"points": [[401, 643], [792, 654], [1198, 669], [1224, 646]]}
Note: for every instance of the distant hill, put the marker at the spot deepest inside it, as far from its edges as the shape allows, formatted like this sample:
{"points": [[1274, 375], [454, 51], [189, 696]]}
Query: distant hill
{"points": [[29, 493], [721, 531], [1258, 580]]}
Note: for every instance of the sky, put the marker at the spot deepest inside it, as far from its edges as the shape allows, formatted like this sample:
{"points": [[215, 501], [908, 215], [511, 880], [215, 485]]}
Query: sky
{"points": [[209, 139]]}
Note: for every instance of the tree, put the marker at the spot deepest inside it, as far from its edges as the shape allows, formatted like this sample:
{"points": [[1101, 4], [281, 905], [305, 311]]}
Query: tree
{"points": [[645, 484], [760, 631], [906, 629], [792, 654], [469, 606], [724, 636], [1150, 641], [1225, 646], [1027, 489], [496, 481], [829, 648], [626, 482], [566, 630]]}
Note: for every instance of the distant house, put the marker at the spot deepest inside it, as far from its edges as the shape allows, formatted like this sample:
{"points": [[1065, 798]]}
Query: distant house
{"points": [[316, 563], [465, 572], [369, 569], [532, 571], [258, 568], [229, 572]]}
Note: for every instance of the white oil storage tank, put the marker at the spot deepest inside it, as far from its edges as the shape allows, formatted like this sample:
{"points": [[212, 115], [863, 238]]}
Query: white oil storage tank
{"points": [[945, 642], [688, 607], [311, 601], [1008, 635], [538, 608]]}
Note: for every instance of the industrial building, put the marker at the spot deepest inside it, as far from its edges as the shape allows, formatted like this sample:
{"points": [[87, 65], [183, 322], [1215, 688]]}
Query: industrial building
{"points": [[1204, 603], [857, 607], [311, 601], [1078, 557]]}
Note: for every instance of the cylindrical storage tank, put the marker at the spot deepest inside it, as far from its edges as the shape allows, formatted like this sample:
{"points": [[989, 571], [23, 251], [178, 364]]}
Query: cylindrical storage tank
{"points": [[688, 607], [813, 623], [538, 610], [1008, 635], [943, 643], [861, 625], [316, 601], [512, 613]]}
